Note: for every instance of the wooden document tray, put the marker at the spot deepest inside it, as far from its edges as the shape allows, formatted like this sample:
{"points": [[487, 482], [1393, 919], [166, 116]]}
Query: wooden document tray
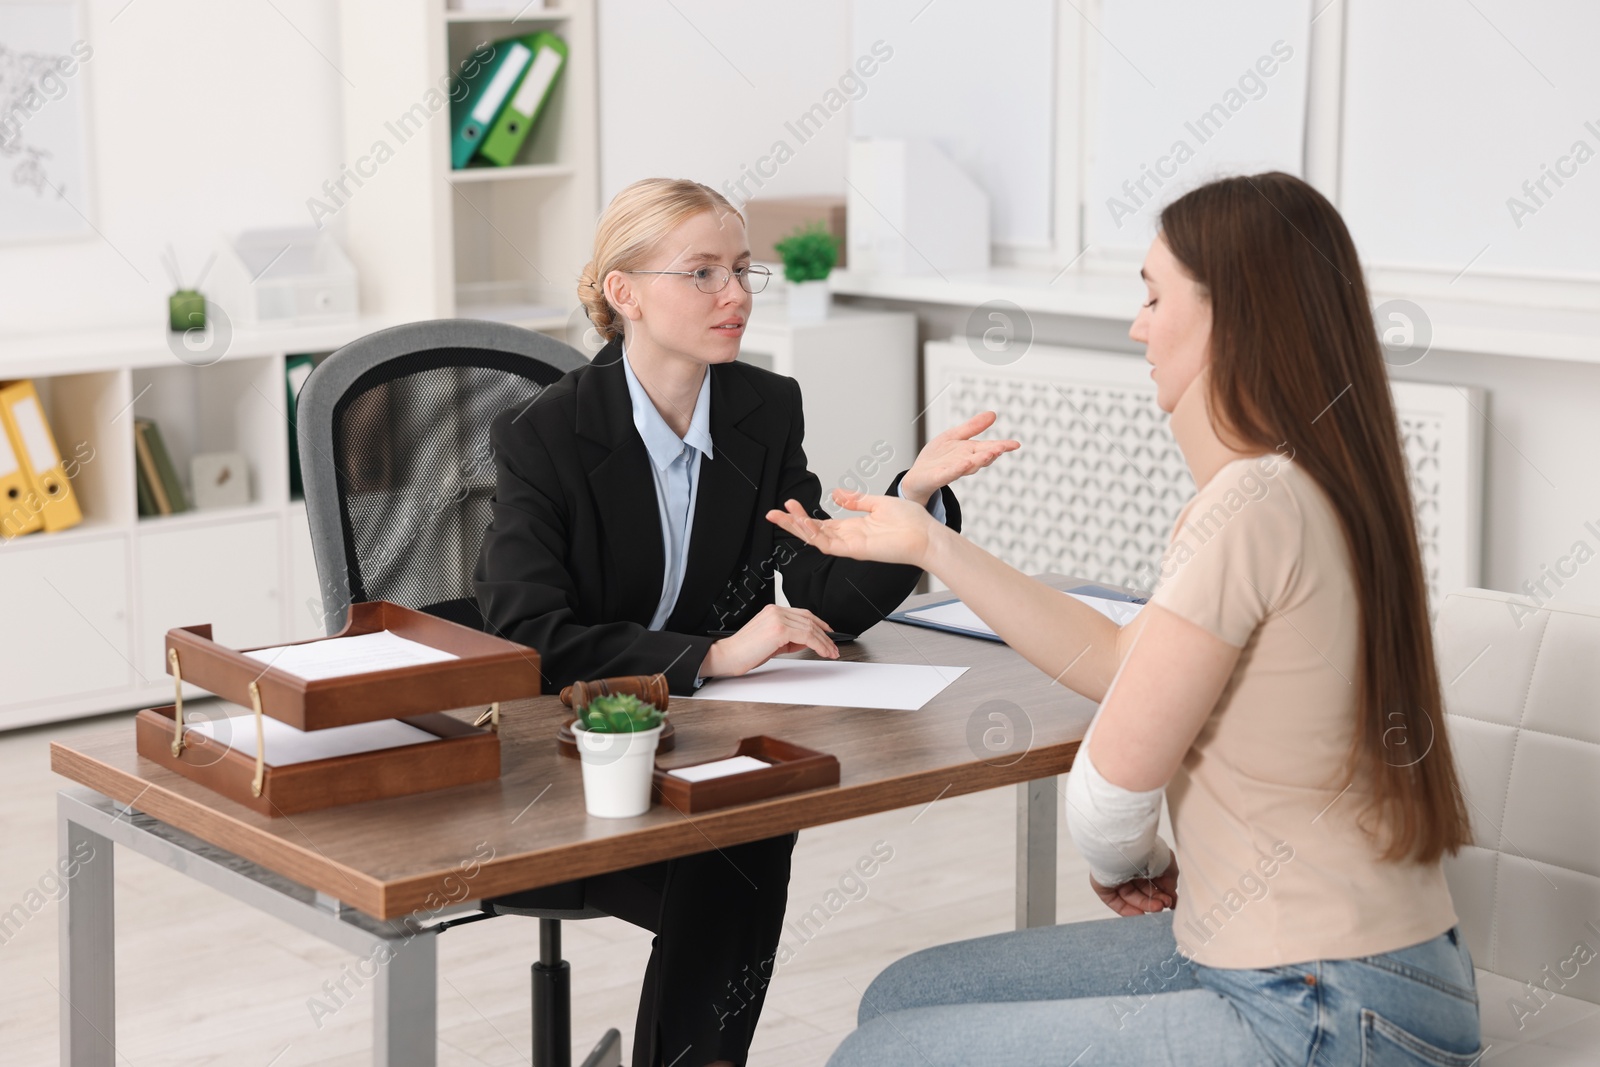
{"points": [[794, 770], [487, 670], [463, 754]]}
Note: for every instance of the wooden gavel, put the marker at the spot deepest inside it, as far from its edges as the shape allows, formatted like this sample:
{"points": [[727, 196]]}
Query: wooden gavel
{"points": [[650, 688]]}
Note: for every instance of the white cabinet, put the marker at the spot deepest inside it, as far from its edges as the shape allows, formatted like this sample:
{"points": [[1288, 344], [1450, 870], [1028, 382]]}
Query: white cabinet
{"points": [[227, 574], [88, 608], [65, 632], [857, 371]]}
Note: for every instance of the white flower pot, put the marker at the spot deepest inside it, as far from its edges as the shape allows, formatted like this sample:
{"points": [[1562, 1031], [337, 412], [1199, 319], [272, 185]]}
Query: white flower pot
{"points": [[808, 301], [617, 771]]}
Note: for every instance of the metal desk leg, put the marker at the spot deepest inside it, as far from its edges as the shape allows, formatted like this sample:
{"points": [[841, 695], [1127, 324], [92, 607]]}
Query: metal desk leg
{"points": [[87, 962], [1036, 853], [404, 1015], [399, 957]]}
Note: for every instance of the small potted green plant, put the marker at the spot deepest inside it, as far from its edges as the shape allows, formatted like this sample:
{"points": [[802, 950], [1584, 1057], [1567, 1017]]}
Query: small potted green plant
{"points": [[617, 737], [809, 254]]}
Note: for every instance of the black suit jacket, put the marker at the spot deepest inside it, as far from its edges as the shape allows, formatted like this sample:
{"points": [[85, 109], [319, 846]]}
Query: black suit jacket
{"points": [[572, 562]]}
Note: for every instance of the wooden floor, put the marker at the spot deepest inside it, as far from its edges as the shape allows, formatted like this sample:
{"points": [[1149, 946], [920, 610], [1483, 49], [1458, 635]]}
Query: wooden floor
{"points": [[202, 979]]}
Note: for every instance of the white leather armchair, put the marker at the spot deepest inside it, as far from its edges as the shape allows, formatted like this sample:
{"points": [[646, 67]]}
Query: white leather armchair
{"points": [[1522, 699]]}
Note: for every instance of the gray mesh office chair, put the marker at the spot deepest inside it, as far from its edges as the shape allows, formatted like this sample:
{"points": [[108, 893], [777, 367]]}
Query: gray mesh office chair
{"points": [[393, 434]]}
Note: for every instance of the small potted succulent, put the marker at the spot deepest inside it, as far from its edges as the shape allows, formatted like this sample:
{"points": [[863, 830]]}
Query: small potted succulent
{"points": [[809, 254], [617, 738]]}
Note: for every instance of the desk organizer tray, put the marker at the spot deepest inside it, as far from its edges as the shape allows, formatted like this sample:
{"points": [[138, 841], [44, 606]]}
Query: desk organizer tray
{"points": [[482, 670], [793, 770], [464, 753]]}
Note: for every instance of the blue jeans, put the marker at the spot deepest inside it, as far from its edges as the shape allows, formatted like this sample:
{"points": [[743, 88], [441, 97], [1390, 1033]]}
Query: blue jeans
{"points": [[1116, 993]]}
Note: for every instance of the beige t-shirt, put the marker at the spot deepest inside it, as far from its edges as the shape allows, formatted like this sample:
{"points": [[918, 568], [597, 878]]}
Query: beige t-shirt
{"points": [[1273, 867]]}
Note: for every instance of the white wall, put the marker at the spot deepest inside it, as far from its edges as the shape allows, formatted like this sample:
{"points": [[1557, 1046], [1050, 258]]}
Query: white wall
{"points": [[1543, 416], [213, 116], [1221, 91], [202, 117], [706, 90], [1540, 443], [1472, 135], [1540, 486], [940, 84]]}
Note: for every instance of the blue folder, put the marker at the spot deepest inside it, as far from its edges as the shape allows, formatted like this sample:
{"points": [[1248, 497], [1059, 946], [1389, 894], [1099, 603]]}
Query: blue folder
{"points": [[1099, 591]]}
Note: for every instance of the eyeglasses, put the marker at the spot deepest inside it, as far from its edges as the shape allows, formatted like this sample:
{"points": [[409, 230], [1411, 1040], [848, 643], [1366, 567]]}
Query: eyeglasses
{"points": [[713, 278]]}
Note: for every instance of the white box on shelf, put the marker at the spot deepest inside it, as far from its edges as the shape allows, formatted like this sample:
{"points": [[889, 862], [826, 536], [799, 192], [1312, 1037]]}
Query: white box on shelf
{"points": [[284, 277], [220, 480]]}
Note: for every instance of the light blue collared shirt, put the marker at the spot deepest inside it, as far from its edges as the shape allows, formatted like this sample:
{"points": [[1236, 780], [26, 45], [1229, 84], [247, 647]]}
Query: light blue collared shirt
{"points": [[675, 467], [935, 503]]}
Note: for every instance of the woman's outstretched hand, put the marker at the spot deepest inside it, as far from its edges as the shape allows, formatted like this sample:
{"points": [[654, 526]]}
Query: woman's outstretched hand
{"points": [[891, 530], [951, 455]]}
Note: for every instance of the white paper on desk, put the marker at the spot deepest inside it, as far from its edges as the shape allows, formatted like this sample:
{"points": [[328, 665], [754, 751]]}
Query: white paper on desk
{"points": [[891, 686], [286, 745], [338, 657], [958, 615], [721, 768]]}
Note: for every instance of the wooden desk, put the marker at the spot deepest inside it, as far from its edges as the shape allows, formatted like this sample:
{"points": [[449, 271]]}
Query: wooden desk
{"points": [[405, 861]]}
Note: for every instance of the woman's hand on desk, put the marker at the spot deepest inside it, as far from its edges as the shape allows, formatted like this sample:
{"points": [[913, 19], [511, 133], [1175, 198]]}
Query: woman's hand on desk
{"points": [[1142, 895], [952, 455], [774, 630], [891, 530]]}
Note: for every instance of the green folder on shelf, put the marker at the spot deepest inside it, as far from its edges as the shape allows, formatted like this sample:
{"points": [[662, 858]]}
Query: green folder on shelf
{"points": [[518, 117], [162, 476], [147, 499], [297, 369], [488, 89]]}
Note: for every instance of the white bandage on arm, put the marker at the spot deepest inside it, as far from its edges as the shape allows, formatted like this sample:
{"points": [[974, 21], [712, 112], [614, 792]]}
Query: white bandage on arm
{"points": [[1114, 828]]}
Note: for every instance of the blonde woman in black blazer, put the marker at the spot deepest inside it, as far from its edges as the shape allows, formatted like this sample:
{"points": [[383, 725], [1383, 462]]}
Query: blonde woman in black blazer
{"points": [[629, 531]]}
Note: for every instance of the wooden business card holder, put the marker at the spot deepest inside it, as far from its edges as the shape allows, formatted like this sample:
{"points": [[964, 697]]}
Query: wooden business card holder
{"points": [[486, 671], [793, 770]]}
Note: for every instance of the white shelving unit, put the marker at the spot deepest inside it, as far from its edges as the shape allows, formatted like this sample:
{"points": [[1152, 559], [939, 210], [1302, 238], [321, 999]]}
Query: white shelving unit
{"points": [[91, 605], [429, 241]]}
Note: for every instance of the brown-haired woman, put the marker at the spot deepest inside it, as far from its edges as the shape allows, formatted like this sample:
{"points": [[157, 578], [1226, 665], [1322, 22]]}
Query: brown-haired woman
{"points": [[1280, 690], [627, 538]]}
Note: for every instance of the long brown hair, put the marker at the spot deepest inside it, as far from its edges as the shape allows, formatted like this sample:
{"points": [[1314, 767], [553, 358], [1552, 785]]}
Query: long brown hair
{"points": [[1295, 358]]}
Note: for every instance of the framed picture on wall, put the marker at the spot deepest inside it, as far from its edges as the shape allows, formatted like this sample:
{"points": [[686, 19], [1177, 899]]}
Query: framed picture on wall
{"points": [[44, 144]]}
